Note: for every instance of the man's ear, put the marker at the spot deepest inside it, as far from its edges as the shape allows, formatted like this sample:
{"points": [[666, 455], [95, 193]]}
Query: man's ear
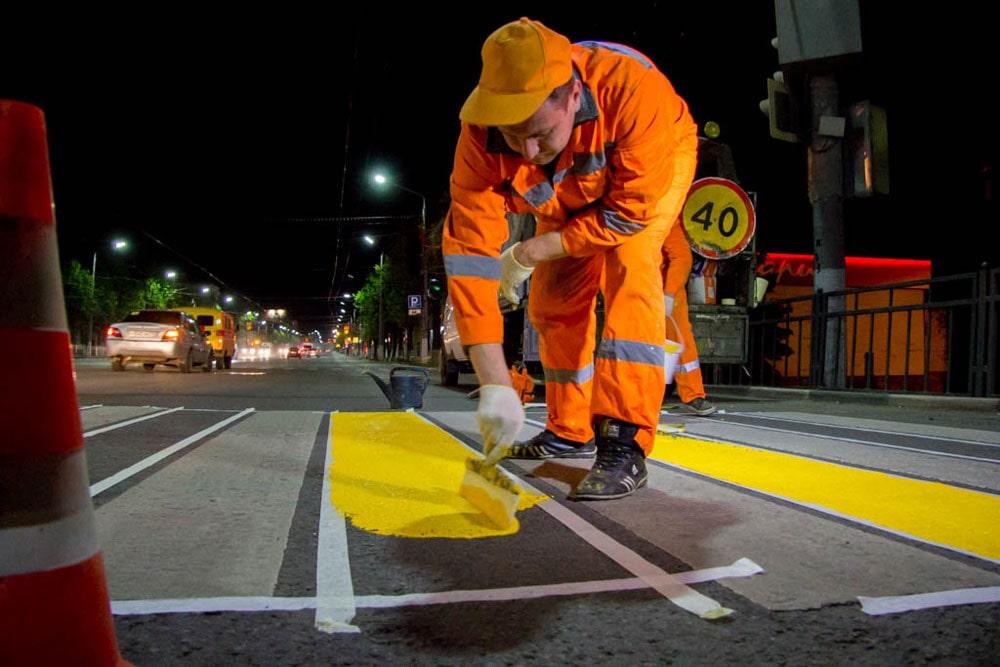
{"points": [[576, 96]]}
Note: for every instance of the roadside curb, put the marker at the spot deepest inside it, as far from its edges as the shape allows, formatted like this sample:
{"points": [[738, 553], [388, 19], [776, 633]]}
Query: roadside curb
{"points": [[925, 401]]}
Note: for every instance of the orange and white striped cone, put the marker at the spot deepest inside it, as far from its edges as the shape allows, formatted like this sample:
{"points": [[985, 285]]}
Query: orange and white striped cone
{"points": [[54, 607]]}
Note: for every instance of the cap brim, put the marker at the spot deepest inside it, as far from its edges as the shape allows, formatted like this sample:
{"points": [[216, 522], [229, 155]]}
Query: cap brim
{"points": [[494, 109]]}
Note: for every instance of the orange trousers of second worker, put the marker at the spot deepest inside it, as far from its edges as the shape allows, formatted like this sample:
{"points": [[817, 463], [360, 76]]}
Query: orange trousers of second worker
{"points": [[687, 376]]}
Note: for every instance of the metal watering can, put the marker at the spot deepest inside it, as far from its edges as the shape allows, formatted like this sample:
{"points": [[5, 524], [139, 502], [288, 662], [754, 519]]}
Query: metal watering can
{"points": [[406, 386]]}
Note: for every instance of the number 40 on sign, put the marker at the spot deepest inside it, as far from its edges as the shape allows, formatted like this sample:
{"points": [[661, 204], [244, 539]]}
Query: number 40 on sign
{"points": [[719, 220]]}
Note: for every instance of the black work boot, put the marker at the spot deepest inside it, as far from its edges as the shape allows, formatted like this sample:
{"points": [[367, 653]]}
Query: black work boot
{"points": [[548, 445], [620, 468]]}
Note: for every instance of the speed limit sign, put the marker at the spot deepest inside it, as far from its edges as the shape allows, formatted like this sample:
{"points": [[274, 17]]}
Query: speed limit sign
{"points": [[719, 220]]}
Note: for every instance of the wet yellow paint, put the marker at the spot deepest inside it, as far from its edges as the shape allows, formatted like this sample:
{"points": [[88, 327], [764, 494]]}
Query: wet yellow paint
{"points": [[395, 474], [930, 511]]}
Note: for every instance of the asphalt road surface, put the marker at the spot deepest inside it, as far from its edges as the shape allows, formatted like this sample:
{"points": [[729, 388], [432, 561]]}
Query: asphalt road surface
{"points": [[279, 514]]}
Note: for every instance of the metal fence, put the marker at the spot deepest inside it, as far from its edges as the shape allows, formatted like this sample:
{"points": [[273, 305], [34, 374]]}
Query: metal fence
{"points": [[923, 336]]}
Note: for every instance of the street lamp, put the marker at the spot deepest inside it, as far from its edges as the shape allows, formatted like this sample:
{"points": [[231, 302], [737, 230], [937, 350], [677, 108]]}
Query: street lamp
{"points": [[370, 240], [170, 274], [117, 245], [382, 179]]}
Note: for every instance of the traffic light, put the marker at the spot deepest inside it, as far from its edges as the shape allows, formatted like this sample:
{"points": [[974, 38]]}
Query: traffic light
{"points": [[781, 110], [434, 288], [867, 150]]}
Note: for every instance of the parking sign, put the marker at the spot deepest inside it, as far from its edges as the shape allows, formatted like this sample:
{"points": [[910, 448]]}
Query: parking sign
{"points": [[413, 304]]}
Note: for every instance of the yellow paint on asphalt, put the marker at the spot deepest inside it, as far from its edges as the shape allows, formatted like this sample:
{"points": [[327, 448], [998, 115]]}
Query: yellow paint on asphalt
{"points": [[395, 474], [961, 519]]}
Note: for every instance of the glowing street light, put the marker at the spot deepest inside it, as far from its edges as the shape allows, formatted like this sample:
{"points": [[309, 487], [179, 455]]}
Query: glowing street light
{"points": [[425, 343], [117, 245]]}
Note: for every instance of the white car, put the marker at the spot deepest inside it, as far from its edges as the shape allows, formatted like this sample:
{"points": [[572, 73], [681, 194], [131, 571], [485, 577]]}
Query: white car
{"points": [[152, 337]]}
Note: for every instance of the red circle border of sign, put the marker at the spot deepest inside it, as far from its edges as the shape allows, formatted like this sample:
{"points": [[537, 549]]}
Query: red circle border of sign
{"points": [[751, 223]]}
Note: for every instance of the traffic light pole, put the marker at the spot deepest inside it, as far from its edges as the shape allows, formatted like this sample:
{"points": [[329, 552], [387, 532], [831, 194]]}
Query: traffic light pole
{"points": [[826, 194]]}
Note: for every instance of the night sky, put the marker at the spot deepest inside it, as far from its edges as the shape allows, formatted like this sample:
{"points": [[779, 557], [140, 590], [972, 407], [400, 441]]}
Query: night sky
{"points": [[223, 134]]}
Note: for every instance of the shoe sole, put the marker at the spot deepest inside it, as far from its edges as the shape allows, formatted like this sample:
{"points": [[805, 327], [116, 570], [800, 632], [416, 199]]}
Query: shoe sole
{"points": [[569, 455], [638, 486]]}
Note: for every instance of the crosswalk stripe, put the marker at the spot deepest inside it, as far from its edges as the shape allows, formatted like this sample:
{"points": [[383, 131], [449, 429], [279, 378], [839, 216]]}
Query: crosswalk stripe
{"points": [[957, 519]]}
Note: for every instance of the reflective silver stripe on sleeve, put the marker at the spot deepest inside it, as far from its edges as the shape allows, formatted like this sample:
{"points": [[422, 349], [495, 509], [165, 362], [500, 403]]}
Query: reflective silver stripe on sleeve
{"points": [[616, 223], [630, 350], [583, 164], [538, 195], [619, 48], [688, 367], [568, 375], [476, 266]]}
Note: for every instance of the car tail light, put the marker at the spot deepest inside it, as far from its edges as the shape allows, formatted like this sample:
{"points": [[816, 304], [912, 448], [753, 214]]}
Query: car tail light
{"points": [[171, 334], [112, 332]]}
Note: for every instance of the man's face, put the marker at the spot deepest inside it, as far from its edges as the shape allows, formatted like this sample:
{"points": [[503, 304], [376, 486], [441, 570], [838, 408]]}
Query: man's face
{"points": [[542, 137]]}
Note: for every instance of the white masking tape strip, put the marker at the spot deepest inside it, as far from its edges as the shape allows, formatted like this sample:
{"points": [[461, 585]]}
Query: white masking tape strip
{"points": [[136, 468], [665, 584], [901, 603], [744, 567], [334, 587]]}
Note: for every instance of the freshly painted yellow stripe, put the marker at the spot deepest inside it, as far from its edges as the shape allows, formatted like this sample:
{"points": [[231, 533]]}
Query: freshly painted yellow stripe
{"points": [[395, 474], [961, 519]]}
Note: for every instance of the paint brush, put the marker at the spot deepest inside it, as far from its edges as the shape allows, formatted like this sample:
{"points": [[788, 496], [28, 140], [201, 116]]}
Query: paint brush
{"points": [[490, 489]]}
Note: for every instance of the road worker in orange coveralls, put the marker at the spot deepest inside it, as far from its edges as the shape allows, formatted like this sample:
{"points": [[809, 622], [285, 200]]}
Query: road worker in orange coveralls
{"points": [[677, 262], [592, 139]]}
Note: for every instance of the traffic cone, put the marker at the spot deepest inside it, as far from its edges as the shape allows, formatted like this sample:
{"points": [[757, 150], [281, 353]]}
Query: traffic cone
{"points": [[54, 607]]}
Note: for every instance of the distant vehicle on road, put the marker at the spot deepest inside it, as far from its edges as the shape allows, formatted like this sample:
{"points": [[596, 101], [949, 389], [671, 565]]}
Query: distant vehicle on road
{"points": [[293, 351], [221, 329], [152, 337]]}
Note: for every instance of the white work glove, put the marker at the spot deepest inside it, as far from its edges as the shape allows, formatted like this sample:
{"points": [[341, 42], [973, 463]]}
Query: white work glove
{"points": [[512, 275], [500, 417], [668, 304]]}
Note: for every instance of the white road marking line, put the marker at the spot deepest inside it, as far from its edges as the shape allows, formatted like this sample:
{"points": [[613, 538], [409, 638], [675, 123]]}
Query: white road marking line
{"points": [[665, 584], [856, 441], [876, 606], [744, 567], [754, 415], [91, 407], [335, 606], [136, 468], [112, 427]]}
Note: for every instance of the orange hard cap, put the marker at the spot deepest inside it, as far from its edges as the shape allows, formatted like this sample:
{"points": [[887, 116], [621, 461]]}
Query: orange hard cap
{"points": [[523, 62]]}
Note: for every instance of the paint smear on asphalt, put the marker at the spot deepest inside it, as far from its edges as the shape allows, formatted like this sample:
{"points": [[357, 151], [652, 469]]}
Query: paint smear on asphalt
{"points": [[395, 474]]}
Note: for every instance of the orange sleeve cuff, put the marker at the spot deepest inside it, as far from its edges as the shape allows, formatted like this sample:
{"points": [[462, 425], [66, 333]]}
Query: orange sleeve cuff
{"points": [[477, 310]]}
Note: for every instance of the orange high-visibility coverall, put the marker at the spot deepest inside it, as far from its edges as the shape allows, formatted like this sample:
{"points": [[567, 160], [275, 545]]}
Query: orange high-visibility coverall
{"points": [[613, 193], [677, 262]]}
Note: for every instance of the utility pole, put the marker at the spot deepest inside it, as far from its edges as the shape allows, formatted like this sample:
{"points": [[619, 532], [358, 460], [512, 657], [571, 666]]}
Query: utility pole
{"points": [[380, 344], [425, 342], [826, 194]]}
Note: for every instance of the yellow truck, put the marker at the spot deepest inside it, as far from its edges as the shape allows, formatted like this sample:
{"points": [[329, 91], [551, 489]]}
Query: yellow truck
{"points": [[219, 329]]}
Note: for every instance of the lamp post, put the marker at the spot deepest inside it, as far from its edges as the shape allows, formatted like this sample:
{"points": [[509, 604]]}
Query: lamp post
{"points": [[117, 244], [380, 343], [381, 179]]}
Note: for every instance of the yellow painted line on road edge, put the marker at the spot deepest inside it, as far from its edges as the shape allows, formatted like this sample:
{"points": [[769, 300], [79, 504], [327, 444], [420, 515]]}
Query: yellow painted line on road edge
{"points": [[933, 512], [395, 474]]}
